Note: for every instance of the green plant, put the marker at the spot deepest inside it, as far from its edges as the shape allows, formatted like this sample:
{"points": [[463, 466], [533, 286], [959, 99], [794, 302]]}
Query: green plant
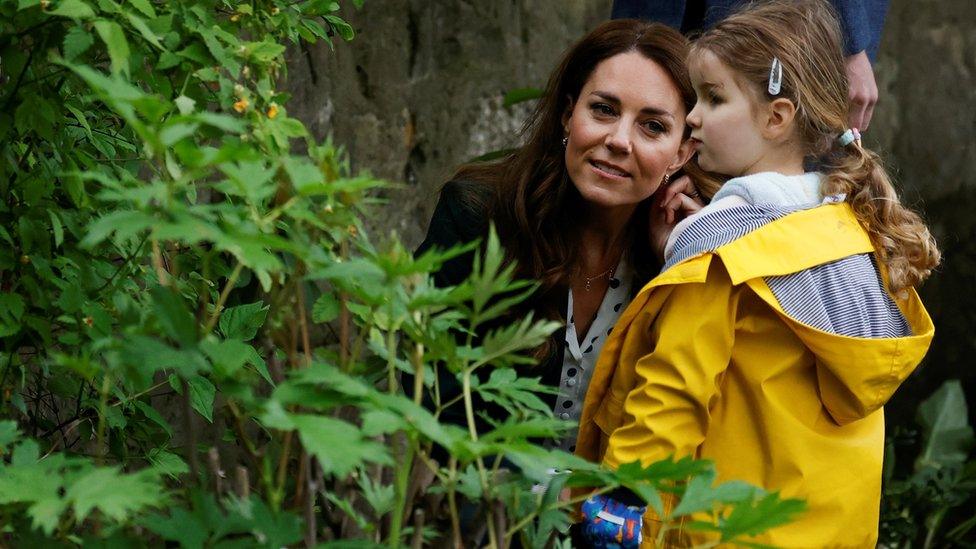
{"points": [[928, 508], [200, 343]]}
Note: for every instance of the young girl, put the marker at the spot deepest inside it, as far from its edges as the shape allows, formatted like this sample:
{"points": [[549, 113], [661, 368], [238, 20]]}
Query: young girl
{"points": [[785, 315]]}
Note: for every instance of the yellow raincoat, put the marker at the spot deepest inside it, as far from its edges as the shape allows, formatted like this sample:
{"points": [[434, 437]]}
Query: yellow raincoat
{"points": [[706, 362]]}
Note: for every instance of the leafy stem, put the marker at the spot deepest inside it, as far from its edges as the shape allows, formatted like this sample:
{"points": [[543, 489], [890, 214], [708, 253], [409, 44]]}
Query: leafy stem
{"points": [[224, 294]]}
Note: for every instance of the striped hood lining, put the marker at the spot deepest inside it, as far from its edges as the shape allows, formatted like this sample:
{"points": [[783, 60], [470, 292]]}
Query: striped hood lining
{"points": [[713, 229], [845, 297]]}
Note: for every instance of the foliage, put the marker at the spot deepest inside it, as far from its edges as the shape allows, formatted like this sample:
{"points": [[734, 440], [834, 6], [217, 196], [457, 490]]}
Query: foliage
{"points": [[201, 345], [932, 506]]}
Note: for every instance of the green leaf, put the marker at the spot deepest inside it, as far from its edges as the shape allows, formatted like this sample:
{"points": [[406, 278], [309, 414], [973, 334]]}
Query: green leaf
{"points": [[379, 495], [218, 51], [118, 47], [144, 6], [124, 223], [56, 228], [167, 463], [82, 119], [116, 495], [144, 30], [174, 131], [35, 113], [377, 422], [185, 104], [11, 311], [944, 418], [243, 321], [753, 518], [76, 42], [187, 529], [8, 434], [75, 9], [699, 495], [152, 415], [254, 359], [264, 52], [339, 446], [228, 355], [342, 28], [221, 121], [202, 393], [469, 483], [303, 174], [326, 308], [515, 393], [173, 316]]}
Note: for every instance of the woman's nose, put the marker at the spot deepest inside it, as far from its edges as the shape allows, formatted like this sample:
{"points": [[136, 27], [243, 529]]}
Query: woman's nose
{"points": [[618, 140]]}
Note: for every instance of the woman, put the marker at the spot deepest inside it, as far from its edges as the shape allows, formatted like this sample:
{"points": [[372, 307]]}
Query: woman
{"points": [[584, 203]]}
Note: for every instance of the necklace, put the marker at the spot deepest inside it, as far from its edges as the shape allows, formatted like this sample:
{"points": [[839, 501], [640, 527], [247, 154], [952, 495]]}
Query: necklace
{"points": [[587, 280]]}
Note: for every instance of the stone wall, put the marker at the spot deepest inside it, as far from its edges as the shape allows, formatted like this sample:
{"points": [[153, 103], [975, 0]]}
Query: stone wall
{"points": [[420, 88], [926, 128]]}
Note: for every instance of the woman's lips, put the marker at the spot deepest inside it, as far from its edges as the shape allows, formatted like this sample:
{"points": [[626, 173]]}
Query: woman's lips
{"points": [[695, 143], [608, 170]]}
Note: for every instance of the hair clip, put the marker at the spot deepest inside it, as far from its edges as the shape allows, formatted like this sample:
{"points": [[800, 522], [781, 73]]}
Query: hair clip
{"points": [[775, 77], [849, 136]]}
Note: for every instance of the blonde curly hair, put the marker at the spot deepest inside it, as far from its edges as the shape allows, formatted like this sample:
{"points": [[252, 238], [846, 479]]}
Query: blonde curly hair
{"points": [[805, 36]]}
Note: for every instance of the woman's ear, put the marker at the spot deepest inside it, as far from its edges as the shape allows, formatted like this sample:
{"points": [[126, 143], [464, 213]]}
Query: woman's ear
{"points": [[568, 113], [780, 114]]}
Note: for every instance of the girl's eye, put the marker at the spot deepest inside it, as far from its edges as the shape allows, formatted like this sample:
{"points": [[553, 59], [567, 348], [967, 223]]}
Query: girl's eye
{"points": [[714, 98]]}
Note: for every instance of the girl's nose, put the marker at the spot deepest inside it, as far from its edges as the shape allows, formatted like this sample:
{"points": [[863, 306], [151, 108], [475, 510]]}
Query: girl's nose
{"points": [[693, 119]]}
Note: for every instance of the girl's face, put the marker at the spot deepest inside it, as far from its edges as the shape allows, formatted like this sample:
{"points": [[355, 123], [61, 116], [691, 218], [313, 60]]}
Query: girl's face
{"points": [[625, 132], [724, 126]]}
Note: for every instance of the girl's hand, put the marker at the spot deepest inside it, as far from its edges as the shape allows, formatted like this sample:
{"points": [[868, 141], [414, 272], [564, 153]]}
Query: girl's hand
{"points": [[669, 205]]}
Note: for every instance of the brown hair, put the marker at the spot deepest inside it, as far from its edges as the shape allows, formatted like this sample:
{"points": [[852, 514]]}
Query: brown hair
{"points": [[805, 37], [534, 204]]}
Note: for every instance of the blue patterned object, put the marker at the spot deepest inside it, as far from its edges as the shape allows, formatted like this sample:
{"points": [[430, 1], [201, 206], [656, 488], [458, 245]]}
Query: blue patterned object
{"points": [[609, 524]]}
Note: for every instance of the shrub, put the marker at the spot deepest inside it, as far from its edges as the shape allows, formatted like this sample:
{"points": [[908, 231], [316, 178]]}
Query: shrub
{"points": [[202, 346]]}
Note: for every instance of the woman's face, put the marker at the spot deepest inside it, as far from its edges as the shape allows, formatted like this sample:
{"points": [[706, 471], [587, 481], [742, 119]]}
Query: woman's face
{"points": [[625, 132]]}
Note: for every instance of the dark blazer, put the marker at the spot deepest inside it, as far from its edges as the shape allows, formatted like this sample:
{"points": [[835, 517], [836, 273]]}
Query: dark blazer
{"points": [[861, 20]]}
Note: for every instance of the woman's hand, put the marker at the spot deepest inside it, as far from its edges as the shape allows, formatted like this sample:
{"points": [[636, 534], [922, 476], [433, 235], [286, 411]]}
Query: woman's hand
{"points": [[669, 205]]}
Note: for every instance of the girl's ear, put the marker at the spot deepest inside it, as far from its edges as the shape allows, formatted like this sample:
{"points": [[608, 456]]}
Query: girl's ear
{"points": [[780, 114], [685, 152]]}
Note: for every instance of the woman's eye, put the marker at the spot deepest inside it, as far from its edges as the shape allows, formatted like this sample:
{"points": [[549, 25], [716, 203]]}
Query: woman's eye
{"points": [[714, 98], [602, 108], [655, 127]]}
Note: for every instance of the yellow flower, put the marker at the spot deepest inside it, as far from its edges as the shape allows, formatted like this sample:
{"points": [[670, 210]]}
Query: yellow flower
{"points": [[273, 110], [234, 18], [241, 105]]}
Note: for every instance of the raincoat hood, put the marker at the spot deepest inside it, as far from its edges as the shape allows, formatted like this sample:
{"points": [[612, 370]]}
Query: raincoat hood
{"points": [[857, 375], [859, 366]]}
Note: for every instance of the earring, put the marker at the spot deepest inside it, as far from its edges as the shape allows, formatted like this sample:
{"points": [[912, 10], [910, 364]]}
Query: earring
{"points": [[666, 180], [565, 141]]}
